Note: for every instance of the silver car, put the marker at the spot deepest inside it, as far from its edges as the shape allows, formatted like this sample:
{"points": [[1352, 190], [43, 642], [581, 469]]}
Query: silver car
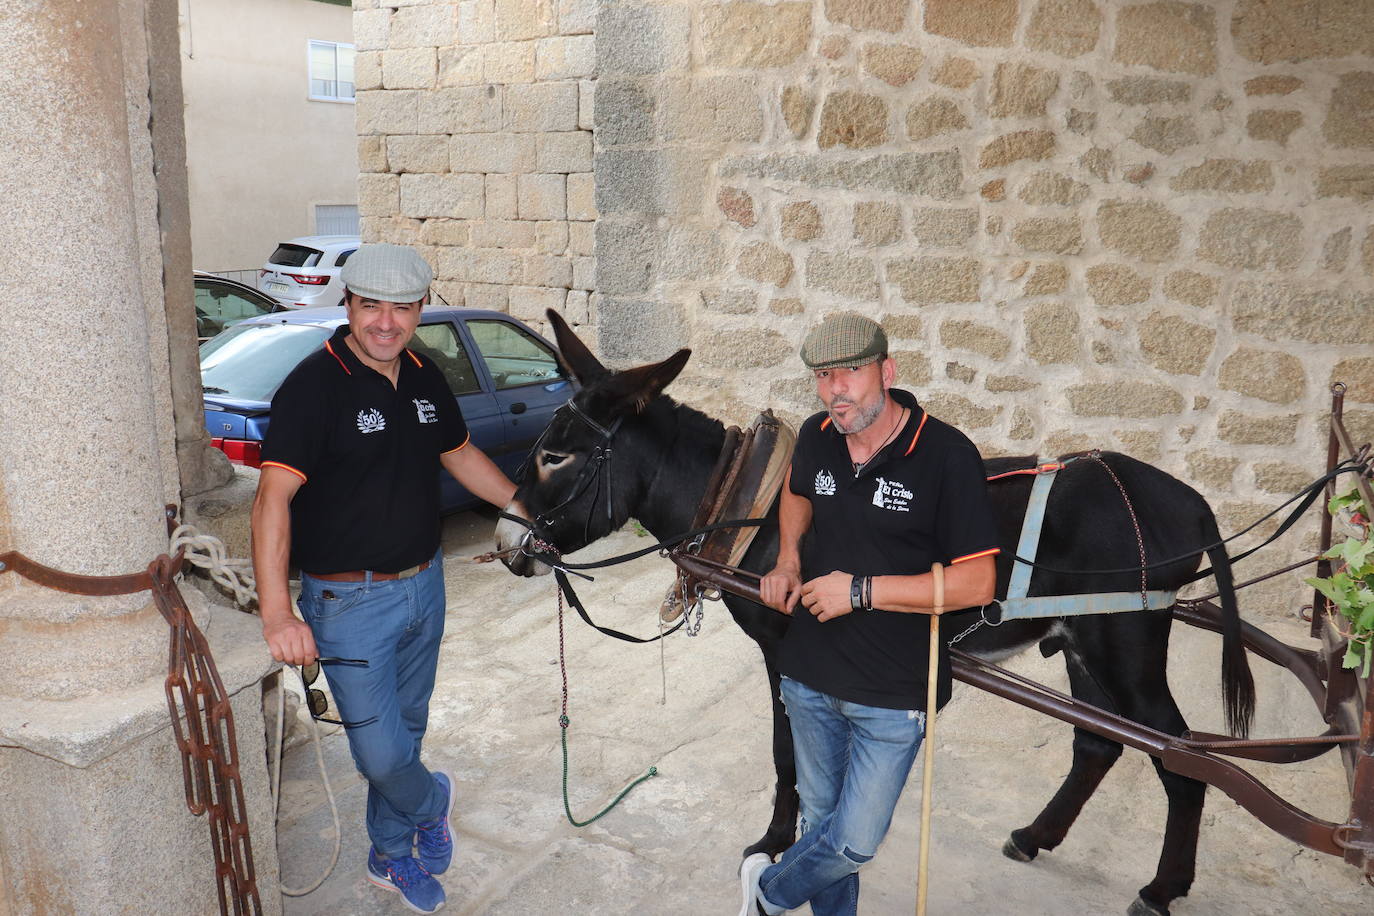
{"points": [[305, 271]]}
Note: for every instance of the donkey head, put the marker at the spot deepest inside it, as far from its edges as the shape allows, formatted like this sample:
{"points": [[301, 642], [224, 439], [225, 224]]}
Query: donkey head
{"points": [[571, 491]]}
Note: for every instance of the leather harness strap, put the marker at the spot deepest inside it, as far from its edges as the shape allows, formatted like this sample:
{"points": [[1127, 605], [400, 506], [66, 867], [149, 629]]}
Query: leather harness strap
{"points": [[745, 481]]}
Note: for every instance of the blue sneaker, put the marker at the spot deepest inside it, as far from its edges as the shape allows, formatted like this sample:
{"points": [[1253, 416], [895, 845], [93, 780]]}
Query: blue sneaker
{"points": [[433, 841], [407, 877]]}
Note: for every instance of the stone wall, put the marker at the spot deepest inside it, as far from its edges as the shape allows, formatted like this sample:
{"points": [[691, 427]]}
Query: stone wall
{"points": [[1141, 226], [475, 143]]}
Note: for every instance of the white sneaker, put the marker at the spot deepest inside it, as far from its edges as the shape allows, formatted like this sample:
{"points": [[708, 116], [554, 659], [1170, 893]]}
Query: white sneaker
{"points": [[749, 871]]}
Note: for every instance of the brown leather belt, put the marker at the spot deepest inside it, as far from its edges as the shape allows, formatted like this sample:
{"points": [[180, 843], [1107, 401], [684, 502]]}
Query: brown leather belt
{"points": [[360, 575]]}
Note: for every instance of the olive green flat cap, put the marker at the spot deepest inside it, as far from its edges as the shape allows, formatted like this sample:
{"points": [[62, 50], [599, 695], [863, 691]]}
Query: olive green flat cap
{"points": [[843, 341]]}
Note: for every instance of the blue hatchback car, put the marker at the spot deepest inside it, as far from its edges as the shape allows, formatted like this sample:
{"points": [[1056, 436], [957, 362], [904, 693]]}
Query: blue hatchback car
{"points": [[506, 378]]}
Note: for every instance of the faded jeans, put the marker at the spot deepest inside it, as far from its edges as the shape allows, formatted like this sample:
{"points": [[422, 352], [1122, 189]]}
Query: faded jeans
{"points": [[852, 763], [396, 626]]}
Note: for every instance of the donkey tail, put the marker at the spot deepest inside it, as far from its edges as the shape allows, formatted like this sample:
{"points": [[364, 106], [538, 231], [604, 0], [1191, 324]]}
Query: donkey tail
{"points": [[1237, 684]]}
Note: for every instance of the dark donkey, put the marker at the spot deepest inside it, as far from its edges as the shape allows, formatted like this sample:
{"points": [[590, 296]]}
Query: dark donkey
{"points": [[663, 456]]}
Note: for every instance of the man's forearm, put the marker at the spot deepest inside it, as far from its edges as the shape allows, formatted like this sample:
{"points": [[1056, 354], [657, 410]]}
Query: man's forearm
{"points": [[271, 557], [968, 584]]}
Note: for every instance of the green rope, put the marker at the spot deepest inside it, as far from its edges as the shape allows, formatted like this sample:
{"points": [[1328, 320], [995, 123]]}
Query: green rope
{"points": [[563, 722]]}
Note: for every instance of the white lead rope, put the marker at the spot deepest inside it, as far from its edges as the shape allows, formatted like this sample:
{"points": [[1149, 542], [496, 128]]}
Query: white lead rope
{"points": [[928, 774]]}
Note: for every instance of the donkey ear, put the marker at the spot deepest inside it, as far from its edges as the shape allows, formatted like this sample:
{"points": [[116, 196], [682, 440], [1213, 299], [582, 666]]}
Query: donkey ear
{"points": [[633, 389], [574, 353]]}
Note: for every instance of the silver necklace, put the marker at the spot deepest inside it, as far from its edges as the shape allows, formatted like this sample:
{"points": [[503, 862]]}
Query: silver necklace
{"points": [[901, 421]]}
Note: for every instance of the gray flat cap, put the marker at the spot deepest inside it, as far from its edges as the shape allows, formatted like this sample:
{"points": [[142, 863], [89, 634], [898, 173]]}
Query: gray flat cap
{"points": [[842, 341], [388, 273]]}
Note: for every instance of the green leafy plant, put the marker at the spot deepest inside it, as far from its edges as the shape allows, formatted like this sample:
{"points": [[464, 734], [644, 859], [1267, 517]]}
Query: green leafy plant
{"points": [[1350, 587]]}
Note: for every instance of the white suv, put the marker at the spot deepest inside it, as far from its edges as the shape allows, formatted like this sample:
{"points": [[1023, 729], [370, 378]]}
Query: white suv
{"points": [[305, 271]]}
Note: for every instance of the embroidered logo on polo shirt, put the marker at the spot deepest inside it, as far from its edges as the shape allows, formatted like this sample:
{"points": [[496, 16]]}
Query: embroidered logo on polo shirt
{"points": [[424, 411], [825, 483], [892, 495], [370, 420]]}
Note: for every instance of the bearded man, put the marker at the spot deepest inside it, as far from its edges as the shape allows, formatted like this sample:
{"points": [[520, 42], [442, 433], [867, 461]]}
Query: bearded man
{"points": [[878, 492]]}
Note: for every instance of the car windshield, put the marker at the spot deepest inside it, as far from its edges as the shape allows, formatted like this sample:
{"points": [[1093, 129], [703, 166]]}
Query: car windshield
{"points": [[249, 361]]}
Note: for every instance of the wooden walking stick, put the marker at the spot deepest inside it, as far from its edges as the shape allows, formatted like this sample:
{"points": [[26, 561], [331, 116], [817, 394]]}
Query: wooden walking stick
{"points": [[928, 775]]}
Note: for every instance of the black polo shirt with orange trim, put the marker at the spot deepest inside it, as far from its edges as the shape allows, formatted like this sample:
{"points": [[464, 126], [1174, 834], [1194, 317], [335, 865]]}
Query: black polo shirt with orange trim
{"points": [[922, 499], [368, 454]]}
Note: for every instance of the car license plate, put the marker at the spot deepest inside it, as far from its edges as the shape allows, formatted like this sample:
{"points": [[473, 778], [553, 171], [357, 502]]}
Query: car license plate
{"points": [[277, 287]]}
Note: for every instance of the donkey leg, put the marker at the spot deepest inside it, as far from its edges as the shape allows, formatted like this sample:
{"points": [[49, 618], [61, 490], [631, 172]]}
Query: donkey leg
{"points": [[782, 829], [1093, 757], [1178, 857]]}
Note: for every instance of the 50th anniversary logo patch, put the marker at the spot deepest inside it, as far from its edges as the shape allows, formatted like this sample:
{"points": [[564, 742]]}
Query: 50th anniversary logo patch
{"points": [[370, 420]]}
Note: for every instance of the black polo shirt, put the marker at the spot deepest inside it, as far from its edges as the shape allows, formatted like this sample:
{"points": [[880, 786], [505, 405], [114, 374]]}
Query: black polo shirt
{"points": [[922, 499], [368, 454]]}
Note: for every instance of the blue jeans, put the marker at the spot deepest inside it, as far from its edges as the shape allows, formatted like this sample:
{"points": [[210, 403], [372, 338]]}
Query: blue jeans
{"points": [[852, 763], [396, 626]]}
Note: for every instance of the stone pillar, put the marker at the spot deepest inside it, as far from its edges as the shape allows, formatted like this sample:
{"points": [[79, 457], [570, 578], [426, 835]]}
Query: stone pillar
{"points": [[88, 459], [201, 466]]}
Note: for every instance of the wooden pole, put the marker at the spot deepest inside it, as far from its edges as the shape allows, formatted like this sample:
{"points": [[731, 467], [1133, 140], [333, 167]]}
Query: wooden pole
{"points": [[928, 774]]}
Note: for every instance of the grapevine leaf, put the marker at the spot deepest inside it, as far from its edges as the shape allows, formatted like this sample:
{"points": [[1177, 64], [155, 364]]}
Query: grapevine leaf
{"points": [[1348, 498], [1356, 553], [1326, 587]]}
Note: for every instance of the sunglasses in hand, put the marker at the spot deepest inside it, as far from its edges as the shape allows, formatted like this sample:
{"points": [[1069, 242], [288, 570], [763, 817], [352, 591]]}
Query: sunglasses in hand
{"points": [[315, 698]]}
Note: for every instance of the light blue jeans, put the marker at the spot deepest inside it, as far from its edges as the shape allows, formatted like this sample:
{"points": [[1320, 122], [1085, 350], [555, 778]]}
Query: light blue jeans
{"points": [[396, 626], [852, 763]]}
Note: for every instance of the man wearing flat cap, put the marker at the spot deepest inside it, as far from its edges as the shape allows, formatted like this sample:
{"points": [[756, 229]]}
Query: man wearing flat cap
{"points": [[878, 492], [349, 491]]}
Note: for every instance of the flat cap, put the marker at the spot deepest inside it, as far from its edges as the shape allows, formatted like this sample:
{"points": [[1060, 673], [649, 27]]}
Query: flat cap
{"points": [[842, 341], [388, 273]]}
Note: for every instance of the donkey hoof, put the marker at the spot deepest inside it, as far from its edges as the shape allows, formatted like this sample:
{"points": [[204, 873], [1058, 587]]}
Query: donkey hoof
{"points": [[1142, 907], [1016, 853]]}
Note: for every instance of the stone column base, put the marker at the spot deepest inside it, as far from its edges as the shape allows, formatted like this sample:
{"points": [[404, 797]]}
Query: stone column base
{"points": [[95, 819]]}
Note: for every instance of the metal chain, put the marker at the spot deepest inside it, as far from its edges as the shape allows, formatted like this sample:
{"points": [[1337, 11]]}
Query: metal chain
{"points": [[976, 624], [695, 615], [203, 725], [1139, 537]]}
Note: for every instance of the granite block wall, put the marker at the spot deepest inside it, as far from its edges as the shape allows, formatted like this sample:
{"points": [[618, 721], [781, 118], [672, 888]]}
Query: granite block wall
{"points": [[1142, 226]]}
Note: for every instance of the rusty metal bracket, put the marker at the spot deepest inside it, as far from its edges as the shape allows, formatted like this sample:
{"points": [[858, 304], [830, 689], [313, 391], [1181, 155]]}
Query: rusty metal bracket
{"points": [[202, 720]]}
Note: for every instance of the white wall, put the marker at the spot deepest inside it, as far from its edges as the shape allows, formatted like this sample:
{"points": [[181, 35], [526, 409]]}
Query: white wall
{"points": [[260, 155]]}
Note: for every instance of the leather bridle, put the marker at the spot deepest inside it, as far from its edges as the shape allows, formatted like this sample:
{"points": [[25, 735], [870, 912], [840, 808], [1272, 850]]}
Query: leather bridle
{"points": [[597, 461]]}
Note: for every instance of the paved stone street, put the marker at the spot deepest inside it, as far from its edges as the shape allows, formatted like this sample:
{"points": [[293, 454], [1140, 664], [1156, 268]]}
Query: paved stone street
{"points": [[672, 847]]}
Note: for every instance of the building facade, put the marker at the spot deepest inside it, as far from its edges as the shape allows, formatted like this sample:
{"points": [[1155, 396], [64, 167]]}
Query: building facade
{"points": [[271, 152], [1141, 226]]}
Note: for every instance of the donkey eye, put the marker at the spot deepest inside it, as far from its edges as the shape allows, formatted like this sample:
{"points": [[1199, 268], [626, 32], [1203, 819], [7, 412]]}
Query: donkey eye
{"points": [[551, 459]]}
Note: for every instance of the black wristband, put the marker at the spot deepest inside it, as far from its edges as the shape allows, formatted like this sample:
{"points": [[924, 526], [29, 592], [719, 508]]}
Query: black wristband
{"points": [[868, 593], [856, 598]]}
